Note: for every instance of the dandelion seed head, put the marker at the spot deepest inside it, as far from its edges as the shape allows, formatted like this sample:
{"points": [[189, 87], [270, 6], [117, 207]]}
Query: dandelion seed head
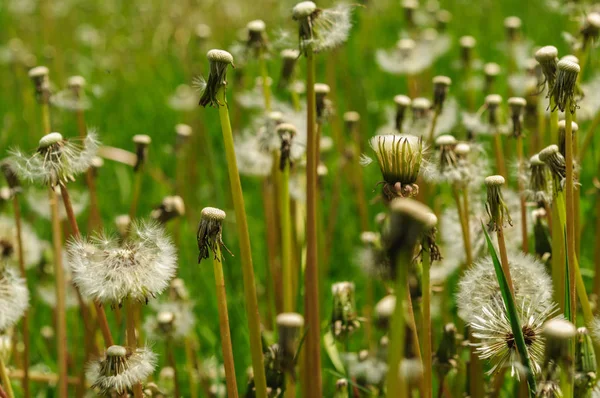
{"points": [[38, 72], [401, 100], [109, 271], [172, 320], [304, 9], [14, 297], [467, 42], [76, 82], [9, 243]]}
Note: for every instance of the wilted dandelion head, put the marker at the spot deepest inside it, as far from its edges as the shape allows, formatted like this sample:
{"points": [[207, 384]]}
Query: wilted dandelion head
{"points": [[257, 37], [57, 160], [552, 157], [512, 26], [210, 231], [479, 285], [517, 109], [219, 61], [563, 91], [120, 369], [171, 207], [467, 44], [399, 158], [538, 189], [591, 28], [384, 309], [495, 205], [289, 327], [441, 85], [110, 271], [443, 18], [14, 296], [322, 29], [290, 58], [41, 82], [286, 133], [11, 176], [497, 343], [548, 59], [183, 133], [492, 105]]}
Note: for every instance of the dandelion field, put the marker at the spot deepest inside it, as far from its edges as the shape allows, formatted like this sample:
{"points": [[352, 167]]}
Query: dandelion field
{"points": [[173, 226]]}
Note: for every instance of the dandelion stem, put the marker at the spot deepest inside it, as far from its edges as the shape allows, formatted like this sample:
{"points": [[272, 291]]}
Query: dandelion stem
{"points": [[5, 380], [570, 210], [504, 259], [61, 312], [553, 122], [431, 135], [521, 161], [286, 239], [190, 367], [466, 234], [224, 324], [498, 152], [311, 275], [394, 380], [173, 364], [426, 327], [245, 250], [274, 283], [137, 189], [131, 338], [265, 79], [46, 117], [25, 321]]}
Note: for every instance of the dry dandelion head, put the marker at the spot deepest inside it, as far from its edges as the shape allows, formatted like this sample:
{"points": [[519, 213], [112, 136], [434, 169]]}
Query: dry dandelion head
{"points": [[210, 231], [564, 89], [219, 61], [517, 109], [344, 320], [322, 29], [552, 157], [495, 205]]}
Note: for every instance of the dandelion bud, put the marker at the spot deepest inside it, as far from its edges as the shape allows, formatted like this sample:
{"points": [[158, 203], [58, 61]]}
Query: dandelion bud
{"points": [[402, 102], [321, 29], [289, 57], [120, 369], [408, 221], [591, 28], [210, 232], [409, 7], [257, 38], [548, 59], [512, 25], [286, 132], [495, 205], [384, 310], [492, 104], [341, 388], [321, 92], [184, 132], [491, 71], [123, 222], [351, 121], [443, 18], [151, 390], [562, 128], [10, 174], [343, 318], [76, 85], [41, 82], [420, 108], [467, 44], [441, 84], [585, 363], [171, 207], [517, 108], [556, 163], [558, 333], [445, 356], [538, 180], [399, 158], [218, 61], [289, 327], [563, 91]]}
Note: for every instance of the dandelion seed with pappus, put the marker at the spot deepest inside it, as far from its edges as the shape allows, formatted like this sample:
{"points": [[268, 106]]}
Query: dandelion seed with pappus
{"points": [[322, 29], [14, 297]]}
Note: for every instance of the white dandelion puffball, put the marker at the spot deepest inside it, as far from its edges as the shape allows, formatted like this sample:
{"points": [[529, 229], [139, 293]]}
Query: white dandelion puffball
{"points": [[38, 202], [14, 297], [182, 323], [138, 268], [121, 369], [479, 285], [9, 244]]}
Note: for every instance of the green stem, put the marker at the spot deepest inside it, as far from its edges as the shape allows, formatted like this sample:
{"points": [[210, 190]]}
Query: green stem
{"points": [[521, 160], [190, 367], [286, 239], [426, 338], [499, 154], [131, 338], [265, 78], [570, 210], [245, 250], [5, 380], [226, 346], [173, 364], [433, 125], [395, 383], [137, 189], [553, 123], [46, 118], [311, 282]]}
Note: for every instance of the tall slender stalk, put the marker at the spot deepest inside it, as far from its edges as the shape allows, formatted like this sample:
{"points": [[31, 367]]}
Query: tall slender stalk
{"points": [[25, 321], [286, 239], [46, 117], [245, 250], [504, 259], [173, 364], [426, 326], [226, 346], [466, 233], [265, 79], [190, 367], [61, 312], [569, 194], [311, 281], [499, 154], [274, 283], [520, 159], [130, 310], [137, 189], [5, 379]]}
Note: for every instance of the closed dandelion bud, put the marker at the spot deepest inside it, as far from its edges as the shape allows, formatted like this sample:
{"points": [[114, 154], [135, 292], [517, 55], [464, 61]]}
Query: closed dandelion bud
{"points": [[492, 104], [517, 109], [321, 92], [562, 128], [557, 166], [141, 141], [183, 133], [411, 370], [171, 207], [41, 82], [547, 57], [443, 18], [10, 174], [495, 205], [321, 29], [399, 158], [351, 120], [558, 334], [563, 91], [591, 28], [257, 37], [289, 59], [402, 103], [538, 189], [445, 356], [441, 85], [420, 108], [122, 223], [341, 388], [286, 132], [585, 364], [512, 26], [491, 71], [56, 160], [344, 320], [289, 328], [210, 232], [467, 44], [219, 61], [408, 221], [120, 369], [384, 310]]}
